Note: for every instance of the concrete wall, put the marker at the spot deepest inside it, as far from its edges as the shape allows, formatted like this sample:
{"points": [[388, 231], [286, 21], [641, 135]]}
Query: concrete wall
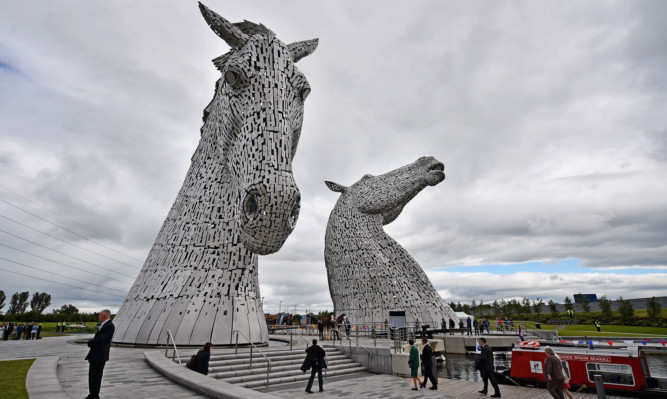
{"points": [[378, 362]]}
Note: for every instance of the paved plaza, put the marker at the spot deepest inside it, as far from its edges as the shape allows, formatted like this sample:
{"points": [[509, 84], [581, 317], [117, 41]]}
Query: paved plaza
{"points": [[61, 372]]}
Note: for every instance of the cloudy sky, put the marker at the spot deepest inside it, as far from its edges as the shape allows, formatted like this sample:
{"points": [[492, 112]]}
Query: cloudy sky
{"points": [[549, 117]]}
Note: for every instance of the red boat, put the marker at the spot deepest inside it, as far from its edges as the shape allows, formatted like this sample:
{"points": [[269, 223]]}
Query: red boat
{"points": [[624, 370]]}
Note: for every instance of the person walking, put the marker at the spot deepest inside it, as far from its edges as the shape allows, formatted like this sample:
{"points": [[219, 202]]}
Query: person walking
{"points": [[315, 361], [475, 325], [553, 372], [320, 329], [469, 325], [99, 353], [486, 368], [202, 359], [597, 324], [413, 362], [427, 365]]}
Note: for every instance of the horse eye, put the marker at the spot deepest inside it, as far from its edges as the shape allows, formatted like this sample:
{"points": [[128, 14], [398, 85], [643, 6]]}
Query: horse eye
{"points": [[231, 77], [304, 93]]}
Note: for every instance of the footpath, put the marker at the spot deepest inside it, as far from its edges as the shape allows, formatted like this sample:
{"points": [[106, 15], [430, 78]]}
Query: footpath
{"points": [[60, 372]]}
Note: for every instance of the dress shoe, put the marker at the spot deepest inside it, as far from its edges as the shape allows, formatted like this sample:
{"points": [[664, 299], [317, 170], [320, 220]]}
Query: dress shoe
{"points": [[482, 392], [309, 391], [434, 388], [321, 389], [495, 395], [415, 389]]}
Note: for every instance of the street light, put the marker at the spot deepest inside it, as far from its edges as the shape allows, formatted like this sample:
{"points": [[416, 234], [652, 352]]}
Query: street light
{"points": [[280, 307]]}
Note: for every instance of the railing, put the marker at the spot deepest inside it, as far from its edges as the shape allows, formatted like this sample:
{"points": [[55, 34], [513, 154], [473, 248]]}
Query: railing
{"points": [[299, 335], [166, 349], [340, 337], [236, 350]]}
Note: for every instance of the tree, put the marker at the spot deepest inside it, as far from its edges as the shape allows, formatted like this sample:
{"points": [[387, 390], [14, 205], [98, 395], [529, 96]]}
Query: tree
{"points": [[40, 301], [568, 303], [2, 300], [473, 306], [66, 310], [653, 309], [626, 310], [553, 308], [605, 308], [525, 305], [19, 303], [496, 307], [537, 305], [585, 303]]}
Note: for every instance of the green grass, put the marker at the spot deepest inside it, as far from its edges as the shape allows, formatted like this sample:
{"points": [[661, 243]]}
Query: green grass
{"points": [[12, 383], [607, 330], [543, 326]]}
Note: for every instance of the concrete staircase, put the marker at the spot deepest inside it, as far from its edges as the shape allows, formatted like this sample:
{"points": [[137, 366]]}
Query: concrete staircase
{"points": [[285, 367]]}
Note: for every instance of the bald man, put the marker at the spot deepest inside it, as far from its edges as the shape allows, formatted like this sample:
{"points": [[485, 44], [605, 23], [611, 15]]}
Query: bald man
{"points": [[99, 353]]}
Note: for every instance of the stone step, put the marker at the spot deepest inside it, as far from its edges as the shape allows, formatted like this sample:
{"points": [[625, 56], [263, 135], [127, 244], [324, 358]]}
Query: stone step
{"points": [[285, 374], [301, 377], [269, 354], [261, 360], [220, 372]]}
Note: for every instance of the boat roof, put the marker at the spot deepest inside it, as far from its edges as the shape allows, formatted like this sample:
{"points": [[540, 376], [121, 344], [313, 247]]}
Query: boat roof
{"points": [[618, 351]]}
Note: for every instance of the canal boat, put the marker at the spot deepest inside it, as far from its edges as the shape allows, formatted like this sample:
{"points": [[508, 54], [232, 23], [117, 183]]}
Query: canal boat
{"points": [[624, 370]]}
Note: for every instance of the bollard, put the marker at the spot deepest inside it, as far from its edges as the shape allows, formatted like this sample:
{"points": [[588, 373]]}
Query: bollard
{"points": [[599, 387], [290, 340]]}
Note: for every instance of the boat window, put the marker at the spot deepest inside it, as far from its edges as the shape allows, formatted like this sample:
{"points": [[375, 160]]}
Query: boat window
{"points": [[618, 374]]}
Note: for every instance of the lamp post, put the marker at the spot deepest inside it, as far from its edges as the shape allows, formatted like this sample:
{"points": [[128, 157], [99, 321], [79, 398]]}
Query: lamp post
{"points": [[280, 307]]}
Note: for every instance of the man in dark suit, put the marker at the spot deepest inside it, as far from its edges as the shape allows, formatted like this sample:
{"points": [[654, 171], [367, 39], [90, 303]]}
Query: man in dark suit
{"points": [[99, 353], [486, 368], [427, 365]]}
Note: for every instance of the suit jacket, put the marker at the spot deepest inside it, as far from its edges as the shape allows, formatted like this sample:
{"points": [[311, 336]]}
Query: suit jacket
{"points": [[101, 343], [486, 359], [427, 356], [314, 358], [201, 364]]}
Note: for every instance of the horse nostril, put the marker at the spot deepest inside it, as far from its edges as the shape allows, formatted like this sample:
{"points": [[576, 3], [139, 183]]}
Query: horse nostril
{"points": [[250, 206], [294, 215]]}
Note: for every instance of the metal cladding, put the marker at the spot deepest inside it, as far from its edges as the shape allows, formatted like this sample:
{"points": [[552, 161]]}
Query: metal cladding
{"points": [[238, 200], [369, 273]]}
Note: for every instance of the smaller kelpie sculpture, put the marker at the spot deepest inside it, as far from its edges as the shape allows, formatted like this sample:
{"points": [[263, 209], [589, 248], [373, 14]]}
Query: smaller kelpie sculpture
{"points": [[370, 273]]}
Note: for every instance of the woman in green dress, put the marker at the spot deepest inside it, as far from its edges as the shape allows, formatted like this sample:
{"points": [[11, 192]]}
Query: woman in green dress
{"points": [[413, 362]]}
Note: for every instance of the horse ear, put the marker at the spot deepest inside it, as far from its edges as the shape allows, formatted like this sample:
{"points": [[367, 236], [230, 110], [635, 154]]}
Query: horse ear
{"points": [[335, 187], [223, 28], [302, 49]]}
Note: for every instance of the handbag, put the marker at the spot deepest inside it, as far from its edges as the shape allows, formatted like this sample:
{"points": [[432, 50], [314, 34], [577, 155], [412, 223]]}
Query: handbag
{"points": [[191, 363], [411, 363]]}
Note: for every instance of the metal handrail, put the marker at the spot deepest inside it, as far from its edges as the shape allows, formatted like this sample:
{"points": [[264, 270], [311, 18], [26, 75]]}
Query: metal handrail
{"points": [[298, 334], [166, 351], [349, 339], [268, 367]]}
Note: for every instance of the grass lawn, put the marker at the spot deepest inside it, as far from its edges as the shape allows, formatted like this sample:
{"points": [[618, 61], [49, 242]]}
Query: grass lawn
{"points": [[607, 330], [12, 383], [543, 326]]}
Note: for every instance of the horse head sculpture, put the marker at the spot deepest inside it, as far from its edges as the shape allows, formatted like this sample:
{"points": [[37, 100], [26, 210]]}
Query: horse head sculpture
{"points": [[239, 200], [256, 118], [386, 195], [369, 273]]}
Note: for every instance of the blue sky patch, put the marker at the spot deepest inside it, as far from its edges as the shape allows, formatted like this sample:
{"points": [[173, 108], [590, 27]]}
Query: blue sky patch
{"points": [[565, 266]]}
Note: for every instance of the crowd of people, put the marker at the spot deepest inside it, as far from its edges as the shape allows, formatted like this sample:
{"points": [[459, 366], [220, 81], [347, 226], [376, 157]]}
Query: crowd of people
{"points": [[11, 331]]}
